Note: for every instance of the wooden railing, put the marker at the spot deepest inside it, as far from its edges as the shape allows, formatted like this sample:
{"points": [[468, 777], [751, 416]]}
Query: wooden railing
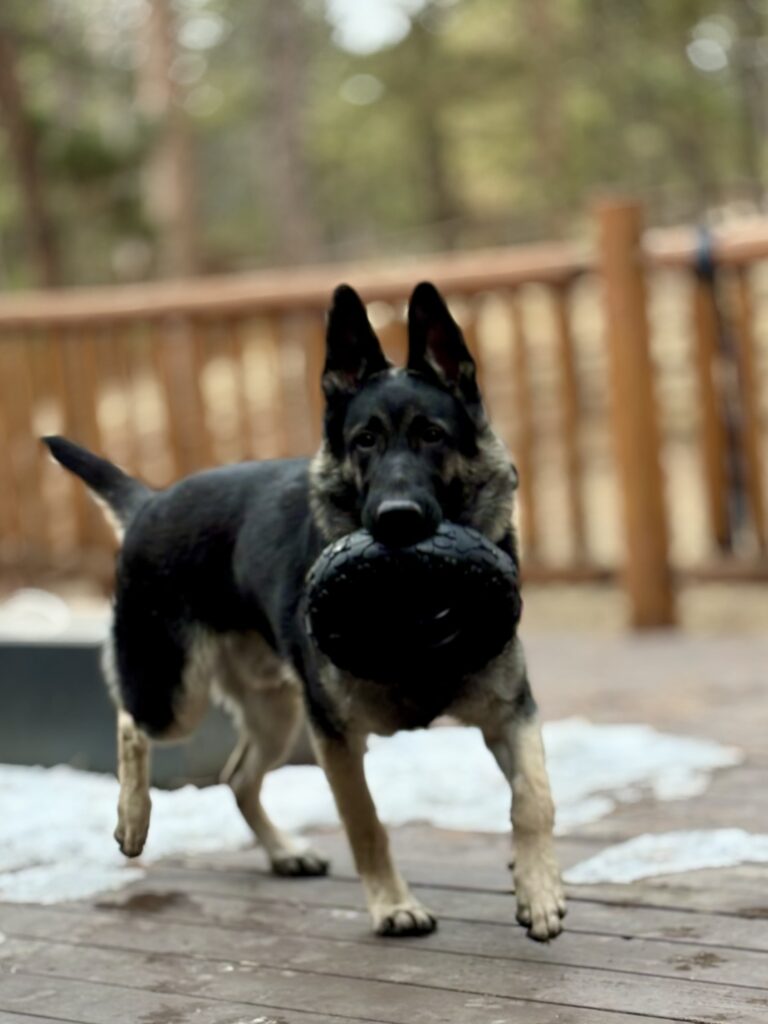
{"points": [[169, 378], [730, 360]]}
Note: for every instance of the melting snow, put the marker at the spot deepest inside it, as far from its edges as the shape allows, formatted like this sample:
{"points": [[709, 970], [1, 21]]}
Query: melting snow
{"points": [[56, 824], [669, 853]]}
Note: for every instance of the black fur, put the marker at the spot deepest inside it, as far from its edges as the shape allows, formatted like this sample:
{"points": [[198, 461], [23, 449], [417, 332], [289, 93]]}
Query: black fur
{"points": [[122, 493], [228, 550], [436, 348]]}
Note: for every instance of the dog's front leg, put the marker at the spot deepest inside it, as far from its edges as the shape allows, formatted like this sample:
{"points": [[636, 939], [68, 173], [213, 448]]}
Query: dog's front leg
{"points": [[395, 911], [517, 746]]}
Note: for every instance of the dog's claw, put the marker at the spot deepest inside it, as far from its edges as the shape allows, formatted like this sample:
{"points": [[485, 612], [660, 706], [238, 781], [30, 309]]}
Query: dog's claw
{"points": [[405, 919], [540, 902], [544, 926], [300, 865]]}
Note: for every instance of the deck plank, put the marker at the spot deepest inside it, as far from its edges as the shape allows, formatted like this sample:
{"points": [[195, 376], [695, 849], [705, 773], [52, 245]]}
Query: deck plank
{"points": [[735, 798], [218, 940], [86, 1002], [740, 891], [600, 916], [213, 924], [288, 990], [6, 1017]]}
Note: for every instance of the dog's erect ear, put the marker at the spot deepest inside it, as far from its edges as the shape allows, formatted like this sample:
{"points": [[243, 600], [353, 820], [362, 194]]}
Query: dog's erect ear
{"points": [[436, 346], [353, 351]]}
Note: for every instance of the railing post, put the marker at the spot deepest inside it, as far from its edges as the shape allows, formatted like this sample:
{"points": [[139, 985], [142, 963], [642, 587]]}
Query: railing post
{"points": [[647, 571]]}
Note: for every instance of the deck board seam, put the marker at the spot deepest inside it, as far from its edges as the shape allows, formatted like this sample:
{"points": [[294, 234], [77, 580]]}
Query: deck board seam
{"points": [[206, 957], [502, 893], [371, 944], [373, 1020], [21, 971], [295, 904], [41, 1016]]}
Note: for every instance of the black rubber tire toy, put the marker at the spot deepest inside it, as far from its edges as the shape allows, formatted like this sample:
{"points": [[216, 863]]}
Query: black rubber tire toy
{"points": [[444, 607]]}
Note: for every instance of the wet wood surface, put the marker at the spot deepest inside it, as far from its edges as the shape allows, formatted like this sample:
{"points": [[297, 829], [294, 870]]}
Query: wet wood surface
{"points": [[216, 939]]}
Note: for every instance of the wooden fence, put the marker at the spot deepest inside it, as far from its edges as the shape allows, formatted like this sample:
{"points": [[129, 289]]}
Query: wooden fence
{"points": [[170, 378]]}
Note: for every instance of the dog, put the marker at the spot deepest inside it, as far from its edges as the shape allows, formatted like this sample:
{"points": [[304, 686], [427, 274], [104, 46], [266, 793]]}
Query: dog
{"points": [[208, 602]]}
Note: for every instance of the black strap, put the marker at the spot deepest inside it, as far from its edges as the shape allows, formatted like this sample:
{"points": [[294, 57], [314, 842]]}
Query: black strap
{"points": [[725, 382]]}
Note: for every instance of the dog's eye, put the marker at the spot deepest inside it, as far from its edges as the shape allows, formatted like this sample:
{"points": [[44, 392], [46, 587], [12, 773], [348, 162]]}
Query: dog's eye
{"points": [[366, 439], [433, 434]]}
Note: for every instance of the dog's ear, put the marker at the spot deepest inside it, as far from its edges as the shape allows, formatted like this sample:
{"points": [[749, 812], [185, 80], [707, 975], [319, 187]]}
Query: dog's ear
{"points": [[436, 346], [353, 351]]}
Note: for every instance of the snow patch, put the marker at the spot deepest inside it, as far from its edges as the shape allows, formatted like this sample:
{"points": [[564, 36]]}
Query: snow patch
{"points": [[56, 824], [56, 828], [670, 853]]}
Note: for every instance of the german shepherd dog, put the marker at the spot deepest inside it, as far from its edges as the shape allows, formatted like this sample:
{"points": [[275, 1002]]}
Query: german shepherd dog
{"points": [[208, 601]]}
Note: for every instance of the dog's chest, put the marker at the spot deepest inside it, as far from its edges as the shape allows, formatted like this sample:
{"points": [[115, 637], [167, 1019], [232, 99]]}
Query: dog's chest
{"points": [[383, 709]]}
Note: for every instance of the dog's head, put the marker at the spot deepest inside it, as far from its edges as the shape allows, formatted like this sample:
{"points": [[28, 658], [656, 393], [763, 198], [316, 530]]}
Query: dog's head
{"points": [[404, 449]]}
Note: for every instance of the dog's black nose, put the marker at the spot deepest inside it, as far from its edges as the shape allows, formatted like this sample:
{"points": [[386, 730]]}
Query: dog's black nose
{"points": [[400, 522]]}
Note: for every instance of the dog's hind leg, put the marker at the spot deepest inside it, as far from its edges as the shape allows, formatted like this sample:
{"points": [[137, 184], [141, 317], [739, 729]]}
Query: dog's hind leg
{"points": [[517, 746], [187, 704], [270, 720], [395, 911], [133, 805], [133, 766]]}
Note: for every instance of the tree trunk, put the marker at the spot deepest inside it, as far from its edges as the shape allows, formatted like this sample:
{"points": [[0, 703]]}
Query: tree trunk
{"points": [[444, 211], [283, 164], [23, 151], [750, 80], [169, 175], [546, 121]]}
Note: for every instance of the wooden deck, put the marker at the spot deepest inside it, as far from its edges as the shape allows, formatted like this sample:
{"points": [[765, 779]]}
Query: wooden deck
{"points": [[217, 940]]}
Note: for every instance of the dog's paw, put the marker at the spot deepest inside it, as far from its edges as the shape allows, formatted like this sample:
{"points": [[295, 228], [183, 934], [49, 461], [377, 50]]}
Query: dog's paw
{"points": [[540, 898], [299, 864], [132, 823], [131, 843], [131, 835], [407, 918]]}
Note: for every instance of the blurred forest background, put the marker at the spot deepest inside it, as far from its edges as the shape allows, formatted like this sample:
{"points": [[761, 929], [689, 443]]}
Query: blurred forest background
{"points": [[179, 137]]}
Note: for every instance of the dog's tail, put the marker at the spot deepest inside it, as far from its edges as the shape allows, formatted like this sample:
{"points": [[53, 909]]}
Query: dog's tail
{"points": [[122, 495]]}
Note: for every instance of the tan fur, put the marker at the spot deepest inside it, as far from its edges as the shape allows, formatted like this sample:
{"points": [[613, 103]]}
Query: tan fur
{"points": [[491, 700], [360, 707], [489, 481], [392, 906], [540, 898], [134, 805], [328, 477], [194, 694], [133, 769], [193, 701], [117, 528], [263, 695], [513, 736], [109, 669]]}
